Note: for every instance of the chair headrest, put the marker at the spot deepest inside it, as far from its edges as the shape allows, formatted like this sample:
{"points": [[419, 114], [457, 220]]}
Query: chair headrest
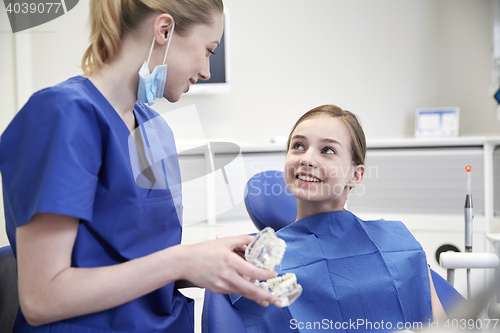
{"points": [[269, 202]]}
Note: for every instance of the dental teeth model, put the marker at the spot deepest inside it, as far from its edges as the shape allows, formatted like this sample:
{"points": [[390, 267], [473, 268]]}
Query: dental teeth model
{"points": [[266, 251], [285, 287]]}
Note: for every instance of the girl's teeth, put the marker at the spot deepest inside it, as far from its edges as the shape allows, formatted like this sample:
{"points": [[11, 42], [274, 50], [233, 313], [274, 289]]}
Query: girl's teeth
{"points": [[309, 179]]}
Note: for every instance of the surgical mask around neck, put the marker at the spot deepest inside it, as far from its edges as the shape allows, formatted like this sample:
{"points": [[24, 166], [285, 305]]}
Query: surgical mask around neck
{"points": [[152, 85]]}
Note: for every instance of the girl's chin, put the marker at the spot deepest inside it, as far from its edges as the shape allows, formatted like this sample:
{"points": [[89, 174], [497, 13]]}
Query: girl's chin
{"points": [[315, 195], [307, 195]]}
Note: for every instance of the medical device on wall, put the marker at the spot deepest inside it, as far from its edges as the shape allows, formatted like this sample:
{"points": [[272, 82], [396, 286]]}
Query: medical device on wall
{"points": [[437, 122], [266, 251]]}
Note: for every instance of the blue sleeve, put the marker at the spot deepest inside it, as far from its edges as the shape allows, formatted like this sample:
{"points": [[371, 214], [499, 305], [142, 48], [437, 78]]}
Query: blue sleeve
{"points": [[50, 157]]}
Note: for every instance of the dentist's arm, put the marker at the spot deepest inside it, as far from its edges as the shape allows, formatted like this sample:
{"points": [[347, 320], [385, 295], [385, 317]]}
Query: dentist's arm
{"points": [[51, 290]]}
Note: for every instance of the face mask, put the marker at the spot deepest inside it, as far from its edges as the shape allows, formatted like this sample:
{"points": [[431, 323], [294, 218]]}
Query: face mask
{"points": [[152, 85]]}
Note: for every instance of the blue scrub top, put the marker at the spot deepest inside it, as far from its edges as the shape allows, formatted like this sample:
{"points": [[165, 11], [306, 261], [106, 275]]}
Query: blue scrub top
{"points": [[67, 152]]}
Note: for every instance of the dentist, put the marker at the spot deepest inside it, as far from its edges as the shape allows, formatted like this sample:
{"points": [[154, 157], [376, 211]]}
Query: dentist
{"points": [[95, 251]]}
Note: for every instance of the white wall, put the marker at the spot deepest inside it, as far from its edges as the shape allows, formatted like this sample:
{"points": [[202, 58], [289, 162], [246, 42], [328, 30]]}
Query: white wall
{"points": [[381, 59], [466, 60], [378, 58]]}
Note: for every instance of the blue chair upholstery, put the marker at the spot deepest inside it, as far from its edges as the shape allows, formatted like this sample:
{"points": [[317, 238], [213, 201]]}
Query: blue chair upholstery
{"points": [[447, 294], [9, 300], [219, 316], [269, 203]]}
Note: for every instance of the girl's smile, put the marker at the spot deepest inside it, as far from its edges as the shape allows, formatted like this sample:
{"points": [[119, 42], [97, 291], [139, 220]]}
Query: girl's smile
{"points": [[319, 169]]}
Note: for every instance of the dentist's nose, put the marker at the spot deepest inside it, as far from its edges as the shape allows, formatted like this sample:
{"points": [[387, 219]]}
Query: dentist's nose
{"points": [[205, 72]]}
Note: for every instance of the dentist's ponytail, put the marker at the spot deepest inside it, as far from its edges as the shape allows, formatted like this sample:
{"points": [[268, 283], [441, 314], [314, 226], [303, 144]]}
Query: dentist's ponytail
{"points": [[111, 20]]}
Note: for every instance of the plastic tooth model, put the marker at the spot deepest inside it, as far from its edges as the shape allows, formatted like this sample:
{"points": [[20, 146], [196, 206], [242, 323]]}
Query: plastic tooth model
{"points": [[266, 251], [285, 287]]}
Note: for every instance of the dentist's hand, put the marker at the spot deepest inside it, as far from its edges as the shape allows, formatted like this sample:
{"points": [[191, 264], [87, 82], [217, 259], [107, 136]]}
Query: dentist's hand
{"points": [[214, 265]]}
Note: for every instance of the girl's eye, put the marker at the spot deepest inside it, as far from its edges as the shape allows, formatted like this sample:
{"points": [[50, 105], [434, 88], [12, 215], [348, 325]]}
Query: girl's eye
{"points": [[328, 150], [298, 146], [210, 52]]}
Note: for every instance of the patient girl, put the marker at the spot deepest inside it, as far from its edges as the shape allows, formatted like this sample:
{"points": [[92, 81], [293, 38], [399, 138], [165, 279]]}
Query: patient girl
{"points": [[356, 275]]}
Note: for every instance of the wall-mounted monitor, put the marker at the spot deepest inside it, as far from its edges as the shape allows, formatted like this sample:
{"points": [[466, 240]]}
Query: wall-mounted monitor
{"points": [[219, 81]]}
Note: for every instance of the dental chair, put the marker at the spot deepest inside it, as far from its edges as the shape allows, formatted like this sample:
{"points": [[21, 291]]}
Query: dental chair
{"points": [[270, 204], [9, 301]]}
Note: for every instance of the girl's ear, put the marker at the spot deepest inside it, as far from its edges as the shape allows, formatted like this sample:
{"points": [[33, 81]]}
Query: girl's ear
{"points": [[357, 176]]}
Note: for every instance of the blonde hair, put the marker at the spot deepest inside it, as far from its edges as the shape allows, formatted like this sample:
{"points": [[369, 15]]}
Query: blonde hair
{"points": [[358, 140], [110, 20]]}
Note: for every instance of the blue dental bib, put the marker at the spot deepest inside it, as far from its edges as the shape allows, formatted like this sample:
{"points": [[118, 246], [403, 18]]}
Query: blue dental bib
{"points": [[357, 276]]}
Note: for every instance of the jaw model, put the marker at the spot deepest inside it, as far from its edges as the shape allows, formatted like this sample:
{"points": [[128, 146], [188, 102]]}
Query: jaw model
{"points": [[266, 251]]}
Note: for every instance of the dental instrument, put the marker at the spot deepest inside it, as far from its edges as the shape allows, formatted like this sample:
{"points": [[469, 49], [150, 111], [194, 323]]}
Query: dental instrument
{"points": [[468, 215], [468, 211]]}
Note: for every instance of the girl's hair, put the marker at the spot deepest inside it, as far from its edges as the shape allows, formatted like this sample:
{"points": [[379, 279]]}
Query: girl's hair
{"points": [[358, 140], [110, 20]]}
